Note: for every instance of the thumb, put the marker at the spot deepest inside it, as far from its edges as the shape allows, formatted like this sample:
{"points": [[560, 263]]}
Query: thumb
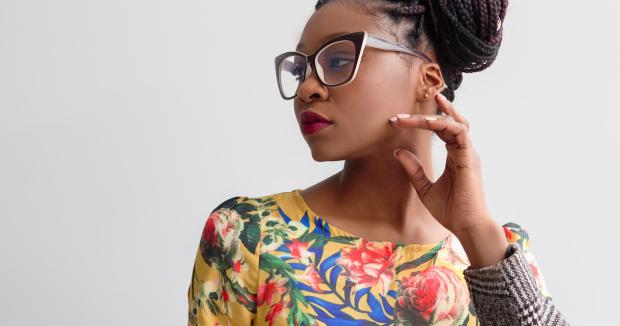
{"points": [[415, 171]]}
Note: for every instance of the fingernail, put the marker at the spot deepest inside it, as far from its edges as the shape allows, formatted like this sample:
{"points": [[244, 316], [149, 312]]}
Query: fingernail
{"points": [[443, 97], [430, 118], [393, 119], [396, 152], [403, 115]]}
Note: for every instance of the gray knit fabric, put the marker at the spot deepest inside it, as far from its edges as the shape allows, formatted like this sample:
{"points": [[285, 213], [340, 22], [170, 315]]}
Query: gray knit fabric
{"points": [[507, 294]]}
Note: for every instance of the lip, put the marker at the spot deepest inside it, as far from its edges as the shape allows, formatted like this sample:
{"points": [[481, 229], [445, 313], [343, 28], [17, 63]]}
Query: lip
{"points": [[313, 127], [312, 122], [308, 116]]}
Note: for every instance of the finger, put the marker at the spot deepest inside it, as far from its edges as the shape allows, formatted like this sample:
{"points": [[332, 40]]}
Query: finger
{"points": [[415, 171], [449, 108], [448, 130], [451, 132]]}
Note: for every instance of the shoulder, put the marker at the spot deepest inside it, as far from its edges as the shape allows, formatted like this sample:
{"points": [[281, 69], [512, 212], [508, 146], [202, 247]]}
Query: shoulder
{"points": [[230, 224], [239, 203], [236, 221], [286, 206], [261, 204], [246, 208]]}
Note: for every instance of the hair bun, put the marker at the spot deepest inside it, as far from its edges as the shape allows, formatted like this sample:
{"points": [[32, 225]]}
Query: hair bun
{"points": [[467, 32], [410, 10]]}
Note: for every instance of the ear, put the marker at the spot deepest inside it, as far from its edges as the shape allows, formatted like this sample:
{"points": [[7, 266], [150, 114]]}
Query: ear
{"points": [[431, 81]]}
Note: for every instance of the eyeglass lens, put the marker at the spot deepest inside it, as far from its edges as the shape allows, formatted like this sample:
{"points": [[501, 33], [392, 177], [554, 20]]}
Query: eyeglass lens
{"points": [[335, 64]]}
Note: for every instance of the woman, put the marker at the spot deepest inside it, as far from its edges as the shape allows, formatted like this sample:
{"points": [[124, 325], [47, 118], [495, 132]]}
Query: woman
{"points": [[378, 242]]}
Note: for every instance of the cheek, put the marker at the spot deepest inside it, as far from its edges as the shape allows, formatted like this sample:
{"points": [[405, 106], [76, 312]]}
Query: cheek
{"points": [[378, 95], [366, 114]]}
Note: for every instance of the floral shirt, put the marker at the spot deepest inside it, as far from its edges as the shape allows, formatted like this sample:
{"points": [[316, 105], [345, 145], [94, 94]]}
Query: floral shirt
{"points": [[270, 260]]}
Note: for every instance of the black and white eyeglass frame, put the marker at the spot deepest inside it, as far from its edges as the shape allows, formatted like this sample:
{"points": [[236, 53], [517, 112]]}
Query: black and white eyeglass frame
{"points": [[360, 40]]}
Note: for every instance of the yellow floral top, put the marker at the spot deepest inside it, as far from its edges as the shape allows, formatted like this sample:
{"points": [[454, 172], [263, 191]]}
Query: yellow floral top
{"points": [[270, 260]]}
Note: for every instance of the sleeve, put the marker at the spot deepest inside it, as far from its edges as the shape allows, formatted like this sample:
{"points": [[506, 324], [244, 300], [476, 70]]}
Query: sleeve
{"points": [[223, 285], [513, 292]]}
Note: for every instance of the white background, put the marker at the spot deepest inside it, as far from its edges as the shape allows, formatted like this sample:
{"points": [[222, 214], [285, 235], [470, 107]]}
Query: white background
{"points": [[124, 123]]}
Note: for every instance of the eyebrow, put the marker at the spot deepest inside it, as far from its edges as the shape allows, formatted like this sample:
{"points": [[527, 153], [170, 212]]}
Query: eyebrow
{"points": [[300, 45]]}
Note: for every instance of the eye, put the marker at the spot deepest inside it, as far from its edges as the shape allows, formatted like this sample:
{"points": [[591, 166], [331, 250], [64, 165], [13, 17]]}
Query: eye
{"points": [[298, 72], [338, 62]]}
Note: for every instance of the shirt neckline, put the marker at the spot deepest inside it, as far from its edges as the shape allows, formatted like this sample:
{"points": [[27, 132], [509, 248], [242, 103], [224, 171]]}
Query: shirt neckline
{"points": [[334, 230]]}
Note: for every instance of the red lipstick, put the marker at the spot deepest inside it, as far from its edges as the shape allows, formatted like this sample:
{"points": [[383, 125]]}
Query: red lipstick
{"points": [[312, 122]]}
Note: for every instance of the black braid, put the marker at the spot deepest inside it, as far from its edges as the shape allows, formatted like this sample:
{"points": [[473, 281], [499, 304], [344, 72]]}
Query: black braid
{"points": [[465, 33]]}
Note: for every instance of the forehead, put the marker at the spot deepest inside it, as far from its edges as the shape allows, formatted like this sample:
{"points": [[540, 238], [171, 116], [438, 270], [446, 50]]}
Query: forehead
{"points": [[332, 20]]}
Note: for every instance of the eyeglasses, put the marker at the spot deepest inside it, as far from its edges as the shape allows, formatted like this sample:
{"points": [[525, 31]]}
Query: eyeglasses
{"points": [[335, 62]]}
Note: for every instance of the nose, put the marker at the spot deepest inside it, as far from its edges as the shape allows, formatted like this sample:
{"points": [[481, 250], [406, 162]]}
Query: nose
{"points": [[311, 87]]}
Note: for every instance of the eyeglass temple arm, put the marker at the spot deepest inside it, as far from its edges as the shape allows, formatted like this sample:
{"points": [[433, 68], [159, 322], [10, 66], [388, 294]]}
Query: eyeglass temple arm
{"points": [[376, 42]]}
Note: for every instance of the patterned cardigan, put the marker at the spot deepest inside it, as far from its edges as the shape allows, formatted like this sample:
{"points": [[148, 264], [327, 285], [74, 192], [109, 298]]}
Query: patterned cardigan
{"points": [[506, 294]]}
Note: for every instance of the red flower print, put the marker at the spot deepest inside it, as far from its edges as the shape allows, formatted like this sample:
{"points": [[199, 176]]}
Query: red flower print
{"points": [[311, 277], [369, 264], [273, 312], [508, 233], [268, 290], [209, 234], [220, 237], [299, 250], [435, 296]]}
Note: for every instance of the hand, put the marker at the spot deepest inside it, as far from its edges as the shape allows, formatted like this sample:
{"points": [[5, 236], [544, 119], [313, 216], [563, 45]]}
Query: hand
{"points": [[456, 199]]}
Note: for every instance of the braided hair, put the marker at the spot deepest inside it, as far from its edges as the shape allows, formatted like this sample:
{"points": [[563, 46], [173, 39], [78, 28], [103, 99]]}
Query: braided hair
{"points": [[466, 34]]}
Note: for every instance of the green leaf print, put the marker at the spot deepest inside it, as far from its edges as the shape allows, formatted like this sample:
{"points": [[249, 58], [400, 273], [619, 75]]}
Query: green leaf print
{"points": [[251, 210], [342, 239], [298, 317], [322, 239], [420, 260], [275, 265], [250, 236], [270, 263], [244, 209], [243, 296]]}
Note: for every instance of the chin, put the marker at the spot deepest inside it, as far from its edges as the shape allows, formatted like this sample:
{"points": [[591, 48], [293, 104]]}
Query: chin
{"points": [[324, 156], [321, 157]]}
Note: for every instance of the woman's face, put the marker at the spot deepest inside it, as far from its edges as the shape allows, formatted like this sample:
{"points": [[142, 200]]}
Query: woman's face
{"points": [[384, 85]]}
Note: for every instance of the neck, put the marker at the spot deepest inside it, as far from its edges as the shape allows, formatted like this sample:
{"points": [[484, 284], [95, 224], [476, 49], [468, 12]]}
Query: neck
{"points": [[376, 192]]}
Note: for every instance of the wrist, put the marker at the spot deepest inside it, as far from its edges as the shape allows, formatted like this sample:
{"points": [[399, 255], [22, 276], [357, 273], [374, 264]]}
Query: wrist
{"points": [[484, 244]]}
